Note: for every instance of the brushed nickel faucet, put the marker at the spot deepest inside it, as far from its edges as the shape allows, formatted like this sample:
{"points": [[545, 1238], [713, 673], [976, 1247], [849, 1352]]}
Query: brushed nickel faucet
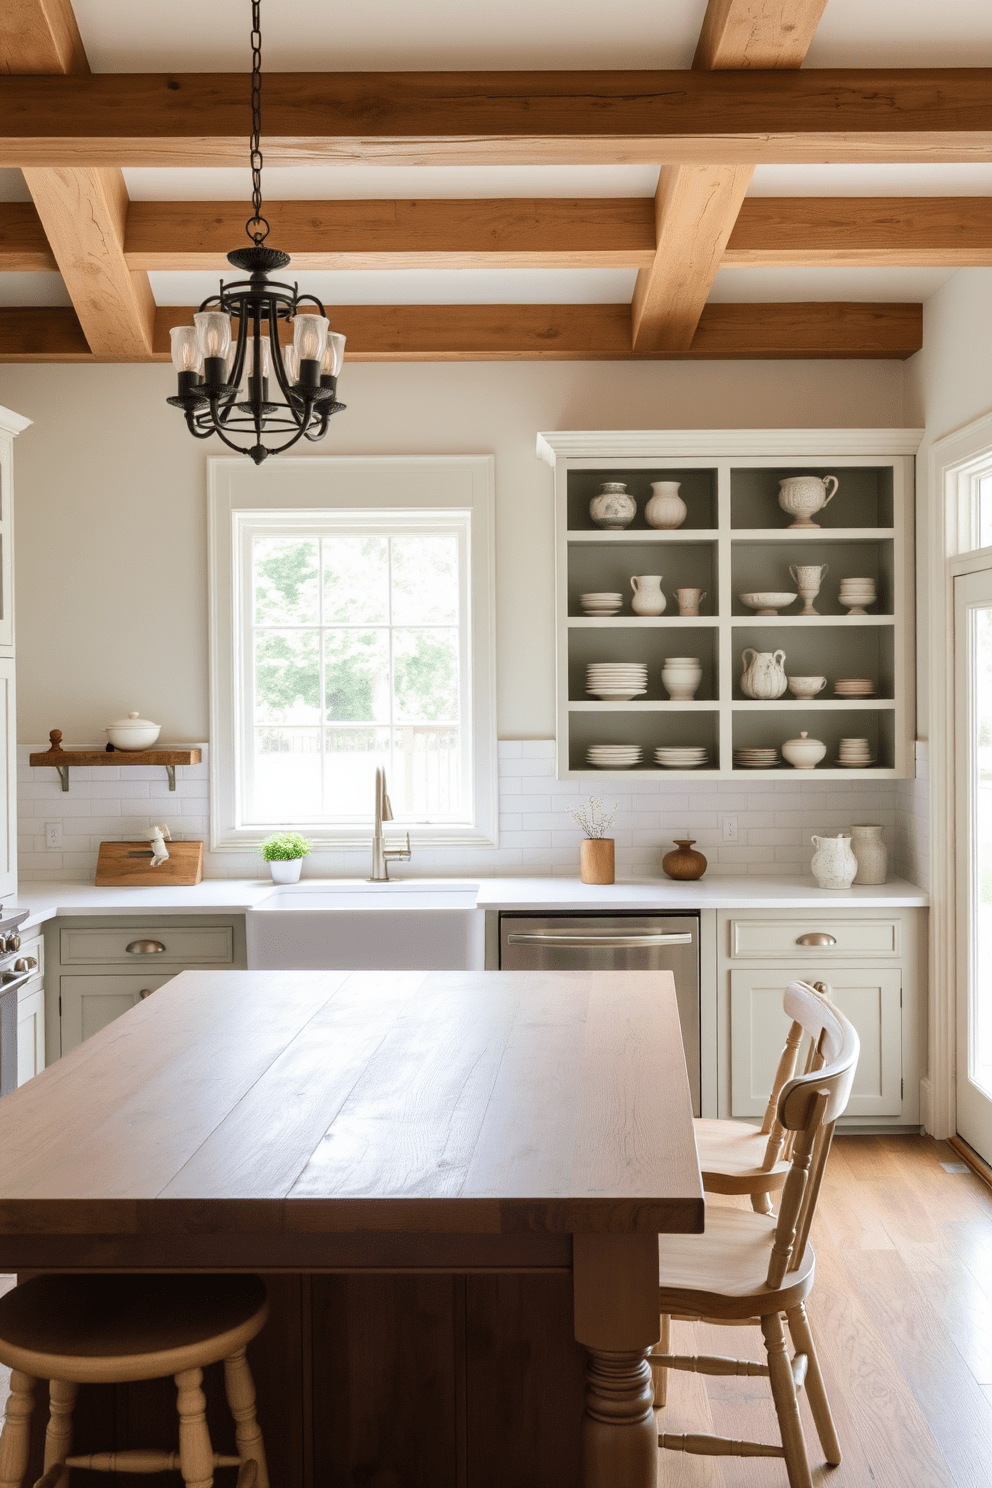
{"points": [[380, 852]]}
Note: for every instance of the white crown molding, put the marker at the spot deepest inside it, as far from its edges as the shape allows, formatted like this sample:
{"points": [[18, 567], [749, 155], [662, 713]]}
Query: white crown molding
{"points": [[579, 444], [13, 423]]}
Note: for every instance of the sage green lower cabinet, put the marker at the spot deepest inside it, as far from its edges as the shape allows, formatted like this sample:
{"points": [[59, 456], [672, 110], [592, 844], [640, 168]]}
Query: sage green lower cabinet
{"points": [[30, 1030], [874, 965], [100, 967]]}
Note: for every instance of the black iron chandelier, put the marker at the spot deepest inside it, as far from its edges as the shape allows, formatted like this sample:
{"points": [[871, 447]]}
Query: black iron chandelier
{"points": [[225, 376]]}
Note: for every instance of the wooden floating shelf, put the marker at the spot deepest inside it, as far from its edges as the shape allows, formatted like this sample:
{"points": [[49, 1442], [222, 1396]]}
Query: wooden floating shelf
{"points": [[64, 759]]}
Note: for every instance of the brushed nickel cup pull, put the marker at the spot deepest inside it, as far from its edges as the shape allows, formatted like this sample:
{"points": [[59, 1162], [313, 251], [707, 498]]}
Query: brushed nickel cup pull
{"points": [[25, 963], [145, 948], [817, 938], [146, 992]]}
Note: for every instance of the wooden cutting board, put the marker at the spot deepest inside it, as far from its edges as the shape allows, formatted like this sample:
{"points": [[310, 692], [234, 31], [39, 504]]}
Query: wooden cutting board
{"points": [[130, 863]]}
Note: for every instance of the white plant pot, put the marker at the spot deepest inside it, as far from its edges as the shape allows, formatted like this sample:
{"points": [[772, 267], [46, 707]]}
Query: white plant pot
{"points": [[286, 870]]}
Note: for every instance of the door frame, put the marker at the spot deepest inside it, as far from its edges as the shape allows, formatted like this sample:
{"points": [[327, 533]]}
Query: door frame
{"points": [[951, 528]]}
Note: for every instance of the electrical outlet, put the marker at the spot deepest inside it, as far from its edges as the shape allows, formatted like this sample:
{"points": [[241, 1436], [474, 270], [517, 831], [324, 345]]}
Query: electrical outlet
{"points": [[730, 829], [53, 834]]}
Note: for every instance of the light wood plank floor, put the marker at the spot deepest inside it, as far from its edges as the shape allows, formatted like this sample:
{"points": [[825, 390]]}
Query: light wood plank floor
{"points": [[902, 1308]]}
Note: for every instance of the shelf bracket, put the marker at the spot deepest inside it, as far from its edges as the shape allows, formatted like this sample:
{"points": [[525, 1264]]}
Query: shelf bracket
{"points": [[63, 775], [170, 770]]}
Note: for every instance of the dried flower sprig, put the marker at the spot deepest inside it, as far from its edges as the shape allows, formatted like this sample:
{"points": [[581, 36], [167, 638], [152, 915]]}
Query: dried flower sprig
{"points": [[592, 817]]}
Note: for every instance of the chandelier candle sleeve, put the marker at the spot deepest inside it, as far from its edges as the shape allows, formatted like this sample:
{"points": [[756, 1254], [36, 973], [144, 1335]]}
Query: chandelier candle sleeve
{"points": [[214, 359]]}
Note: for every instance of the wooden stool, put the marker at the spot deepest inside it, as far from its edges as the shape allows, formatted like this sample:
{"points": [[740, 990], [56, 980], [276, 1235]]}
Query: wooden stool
{"points": [[112, 1329]]}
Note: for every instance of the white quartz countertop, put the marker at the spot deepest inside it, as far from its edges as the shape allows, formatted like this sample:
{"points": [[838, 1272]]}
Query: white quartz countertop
{"points": [[45, 901]]}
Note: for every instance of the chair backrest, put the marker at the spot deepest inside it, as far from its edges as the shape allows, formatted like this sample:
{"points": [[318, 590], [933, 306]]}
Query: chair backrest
{"points": [[809, 1105], [802, 1011]]}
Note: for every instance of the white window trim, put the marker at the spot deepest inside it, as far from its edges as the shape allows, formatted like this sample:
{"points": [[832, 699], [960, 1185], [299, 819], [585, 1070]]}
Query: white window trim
{"points": [[359, 484]]}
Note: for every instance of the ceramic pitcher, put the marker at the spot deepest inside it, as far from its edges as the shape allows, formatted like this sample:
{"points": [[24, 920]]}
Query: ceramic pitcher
{"points": [[834, 864], [802, 495], [764, 674], [648, 598]]}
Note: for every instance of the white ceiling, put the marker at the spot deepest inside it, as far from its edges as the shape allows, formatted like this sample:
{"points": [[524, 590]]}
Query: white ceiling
{"points": [[313, 35], [186, 35]]}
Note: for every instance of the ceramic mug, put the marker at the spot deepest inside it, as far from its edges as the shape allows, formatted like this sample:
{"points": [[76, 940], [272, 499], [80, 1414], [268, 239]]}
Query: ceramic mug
{"points": [[689, 600]]}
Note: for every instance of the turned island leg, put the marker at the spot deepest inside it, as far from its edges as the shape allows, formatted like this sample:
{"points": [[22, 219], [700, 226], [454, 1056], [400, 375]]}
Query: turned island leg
{"points": [[616, 1320]]}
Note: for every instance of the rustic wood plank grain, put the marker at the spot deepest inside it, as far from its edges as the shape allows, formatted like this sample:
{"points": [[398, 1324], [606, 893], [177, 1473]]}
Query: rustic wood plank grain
{"points": [[737, 117], [23, 245], [861, 232], [41, 36], [564, 233], [757, 33]]}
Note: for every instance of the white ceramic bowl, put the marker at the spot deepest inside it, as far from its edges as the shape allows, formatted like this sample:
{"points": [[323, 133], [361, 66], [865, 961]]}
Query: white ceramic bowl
{"points": [[133, 732], [806, 687], [767, 603]]}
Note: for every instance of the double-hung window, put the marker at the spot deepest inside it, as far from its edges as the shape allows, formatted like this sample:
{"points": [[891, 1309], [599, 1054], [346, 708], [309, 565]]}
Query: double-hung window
{"points": [[352, 628]]}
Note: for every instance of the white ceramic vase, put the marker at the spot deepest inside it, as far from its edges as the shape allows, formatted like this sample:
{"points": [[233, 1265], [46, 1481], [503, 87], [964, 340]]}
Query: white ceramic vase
{"points": [[614, 507], [681, 676], [802, 495], [763, 676], [648, 598], [666, 510], [834, 864], [871, 855], [285, 870]]}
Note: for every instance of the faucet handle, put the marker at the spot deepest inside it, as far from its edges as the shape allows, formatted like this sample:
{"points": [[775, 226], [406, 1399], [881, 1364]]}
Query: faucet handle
{"points": [[399, 852]]}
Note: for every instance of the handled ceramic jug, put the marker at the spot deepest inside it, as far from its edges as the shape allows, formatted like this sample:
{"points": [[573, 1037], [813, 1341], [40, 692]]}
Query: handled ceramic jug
{"points": [[764, 675], [802, 495], [834, 864], [648, 598]]}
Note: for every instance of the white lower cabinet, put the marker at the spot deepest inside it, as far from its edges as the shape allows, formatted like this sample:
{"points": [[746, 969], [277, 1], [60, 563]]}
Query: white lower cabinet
{"points": [[89, 1003], [30, 1030], [873, 965]]}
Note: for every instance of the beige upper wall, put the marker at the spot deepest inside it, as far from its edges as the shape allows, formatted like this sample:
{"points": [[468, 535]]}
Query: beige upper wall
{"points": [[111, 494], [948, 385]]}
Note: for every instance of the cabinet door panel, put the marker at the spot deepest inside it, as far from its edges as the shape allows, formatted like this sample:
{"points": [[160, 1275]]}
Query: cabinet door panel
{"points": [[872, 1001], [30, 1031], [8, 779], [89, 1003]]}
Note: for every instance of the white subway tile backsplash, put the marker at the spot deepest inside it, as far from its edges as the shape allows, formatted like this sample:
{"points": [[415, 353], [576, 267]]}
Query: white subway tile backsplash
{"points": [[775, 819]]}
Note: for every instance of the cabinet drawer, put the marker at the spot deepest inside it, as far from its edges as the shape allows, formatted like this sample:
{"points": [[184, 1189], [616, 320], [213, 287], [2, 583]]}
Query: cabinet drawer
{"points": [[848, 937], [207, 945]]}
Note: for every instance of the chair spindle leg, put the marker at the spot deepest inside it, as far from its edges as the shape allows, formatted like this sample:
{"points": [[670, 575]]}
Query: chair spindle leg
{"points": [[16, 1437], [802, 1337], [58, 1434], [196, 1455], [663, 1346], [240, 1389], [786, 1404]]}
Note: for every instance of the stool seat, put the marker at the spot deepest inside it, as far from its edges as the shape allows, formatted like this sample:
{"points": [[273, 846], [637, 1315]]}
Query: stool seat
{"points": [[117, 1328]]}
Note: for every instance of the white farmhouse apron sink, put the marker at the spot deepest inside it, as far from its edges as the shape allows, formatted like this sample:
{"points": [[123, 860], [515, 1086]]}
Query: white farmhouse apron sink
{"points": [[353, 925]]}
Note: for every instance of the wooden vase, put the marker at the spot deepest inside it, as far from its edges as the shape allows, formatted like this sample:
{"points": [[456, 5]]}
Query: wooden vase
{"points": [[682, 861], [596, 859]]}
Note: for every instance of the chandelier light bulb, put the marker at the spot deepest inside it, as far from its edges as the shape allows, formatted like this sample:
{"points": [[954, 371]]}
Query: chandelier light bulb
{"points": [[186, 355], [310, 336], [333, 355], [213, 329]]}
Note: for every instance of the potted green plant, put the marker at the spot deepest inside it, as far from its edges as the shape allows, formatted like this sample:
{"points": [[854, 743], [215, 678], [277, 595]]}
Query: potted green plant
{"points": [[284, 854]]}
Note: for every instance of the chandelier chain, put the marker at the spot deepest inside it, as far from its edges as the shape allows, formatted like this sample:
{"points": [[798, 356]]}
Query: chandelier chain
{"points": [[256, 222]]}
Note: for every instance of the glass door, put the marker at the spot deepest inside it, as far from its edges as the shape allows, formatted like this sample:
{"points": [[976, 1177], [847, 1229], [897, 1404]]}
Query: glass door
{"points": [[973, 748]]}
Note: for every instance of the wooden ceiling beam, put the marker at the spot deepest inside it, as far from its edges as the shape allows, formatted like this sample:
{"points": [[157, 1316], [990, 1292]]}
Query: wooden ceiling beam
{"points": [[696, 206], [471, 333], [23, 245], [82, 208], [503, 118], [555, 232], [862, 232]]}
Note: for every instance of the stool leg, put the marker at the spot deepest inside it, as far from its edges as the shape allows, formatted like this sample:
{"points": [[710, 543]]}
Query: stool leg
{"points": [[58, 1435], [241, 1398], [16, 1436], [196, 1455]]}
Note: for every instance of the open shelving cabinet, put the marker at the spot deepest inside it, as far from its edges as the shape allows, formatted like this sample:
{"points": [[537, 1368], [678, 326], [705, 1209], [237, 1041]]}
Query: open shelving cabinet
{"points": [[737, 539]]}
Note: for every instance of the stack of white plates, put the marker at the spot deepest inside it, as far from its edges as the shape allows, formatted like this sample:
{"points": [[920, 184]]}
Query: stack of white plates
{"points": [[614, 756], [857, 593], [615, 681], [756, 759], [686, 757], [855, 754], [601, 604], [854, 687]]}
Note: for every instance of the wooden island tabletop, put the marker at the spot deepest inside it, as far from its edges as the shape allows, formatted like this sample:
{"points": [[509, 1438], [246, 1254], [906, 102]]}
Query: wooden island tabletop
{"points": [[304, 1118]]}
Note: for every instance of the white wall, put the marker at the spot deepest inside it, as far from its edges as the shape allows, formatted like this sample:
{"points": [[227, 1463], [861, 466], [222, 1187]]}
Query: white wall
{"points": [[111, 495]]}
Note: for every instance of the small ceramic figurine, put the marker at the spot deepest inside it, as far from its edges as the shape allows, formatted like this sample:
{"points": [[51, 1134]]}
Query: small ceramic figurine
{"points": [[156, 836]]}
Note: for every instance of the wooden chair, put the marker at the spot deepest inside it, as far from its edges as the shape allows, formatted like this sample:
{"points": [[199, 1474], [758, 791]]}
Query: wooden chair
{"points": [[75, 1330], [749, 1268]]}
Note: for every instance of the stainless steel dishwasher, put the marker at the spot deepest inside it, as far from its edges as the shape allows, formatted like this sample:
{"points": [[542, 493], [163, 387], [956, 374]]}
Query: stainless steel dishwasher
{"points": [[614, 942]]}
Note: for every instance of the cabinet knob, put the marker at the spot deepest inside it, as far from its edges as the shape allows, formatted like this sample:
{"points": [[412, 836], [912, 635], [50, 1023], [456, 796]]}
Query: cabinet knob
{"points": [[146, 992], [144, 948], [814, 938]]}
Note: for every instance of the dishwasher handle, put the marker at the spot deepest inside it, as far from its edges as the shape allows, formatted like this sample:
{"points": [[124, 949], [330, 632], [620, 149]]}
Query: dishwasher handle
{"points": [[620, 940]]}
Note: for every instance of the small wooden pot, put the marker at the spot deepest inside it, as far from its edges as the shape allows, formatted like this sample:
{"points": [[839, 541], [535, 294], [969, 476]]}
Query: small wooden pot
{"points": [[682, 861], [596, 859]]}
